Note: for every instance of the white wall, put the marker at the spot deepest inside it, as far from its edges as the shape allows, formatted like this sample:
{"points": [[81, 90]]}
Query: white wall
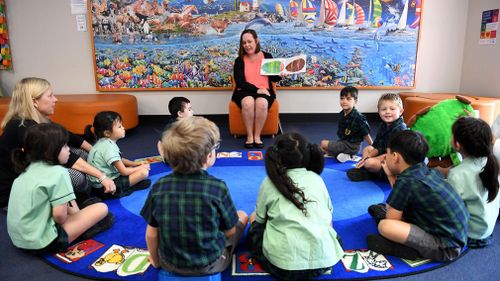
{"points": [[45, 43], [481, 63]]}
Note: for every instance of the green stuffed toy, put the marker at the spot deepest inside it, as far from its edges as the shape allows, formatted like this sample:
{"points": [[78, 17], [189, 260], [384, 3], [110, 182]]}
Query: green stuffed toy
{"points": [[435, 124]]}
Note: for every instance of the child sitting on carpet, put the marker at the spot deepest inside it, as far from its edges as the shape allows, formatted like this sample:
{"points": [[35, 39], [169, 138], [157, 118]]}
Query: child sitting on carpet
{"points": [[179, 107], [423, 217], [43, 216], [105, 155], [476, 178], [191, 210], [352, 128], [291, 231], [390, 108]]}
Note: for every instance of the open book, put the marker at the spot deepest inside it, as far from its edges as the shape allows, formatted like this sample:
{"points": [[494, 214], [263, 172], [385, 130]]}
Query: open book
{"points": [[275, 66]]}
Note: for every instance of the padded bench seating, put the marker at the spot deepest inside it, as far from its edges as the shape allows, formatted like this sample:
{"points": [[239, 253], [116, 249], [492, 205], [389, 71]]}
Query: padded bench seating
{"points": [[75, 112], [413, 102]]}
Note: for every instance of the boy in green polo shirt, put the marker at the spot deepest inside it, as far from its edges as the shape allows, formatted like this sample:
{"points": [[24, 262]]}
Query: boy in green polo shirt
{"points": [[352, 129], [423, 217], [193, 226]]}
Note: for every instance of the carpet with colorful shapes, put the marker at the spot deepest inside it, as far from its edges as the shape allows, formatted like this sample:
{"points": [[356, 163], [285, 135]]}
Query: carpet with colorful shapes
{"points": [[120, 253]]}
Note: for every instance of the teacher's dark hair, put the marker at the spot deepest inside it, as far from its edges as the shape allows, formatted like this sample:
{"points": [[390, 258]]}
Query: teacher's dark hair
{"points": [[241, 52]]}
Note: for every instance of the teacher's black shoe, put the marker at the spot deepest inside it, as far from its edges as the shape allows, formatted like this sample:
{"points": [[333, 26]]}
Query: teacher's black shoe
{"points": [[249, 145], [258, 145]]}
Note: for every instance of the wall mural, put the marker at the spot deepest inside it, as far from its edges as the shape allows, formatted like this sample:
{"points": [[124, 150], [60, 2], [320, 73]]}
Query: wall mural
{"points": [[192, 44], [5, 57]]}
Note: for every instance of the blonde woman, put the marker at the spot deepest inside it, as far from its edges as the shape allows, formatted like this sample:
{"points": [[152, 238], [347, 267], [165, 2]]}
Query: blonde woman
{"points": [[33, 102]]}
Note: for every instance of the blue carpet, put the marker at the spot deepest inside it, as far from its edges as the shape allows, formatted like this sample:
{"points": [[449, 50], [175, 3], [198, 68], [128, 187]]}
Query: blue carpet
{"points": [[243, 177]]}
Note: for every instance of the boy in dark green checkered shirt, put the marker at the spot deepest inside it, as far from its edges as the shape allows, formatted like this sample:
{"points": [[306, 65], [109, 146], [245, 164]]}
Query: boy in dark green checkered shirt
{"points": [[352, 129], [423, 217], [390, 108], [193, 226]]}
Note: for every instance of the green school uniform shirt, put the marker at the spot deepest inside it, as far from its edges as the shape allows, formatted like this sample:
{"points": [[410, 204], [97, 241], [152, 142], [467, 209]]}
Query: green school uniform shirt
{"points": [[464, 178], [34, 193], [293, 241], [102, 156]]}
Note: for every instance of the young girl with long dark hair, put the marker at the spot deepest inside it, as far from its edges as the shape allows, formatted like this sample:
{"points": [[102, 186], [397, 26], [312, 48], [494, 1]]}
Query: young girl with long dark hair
{"points": [[291, 233], [476, 178]]}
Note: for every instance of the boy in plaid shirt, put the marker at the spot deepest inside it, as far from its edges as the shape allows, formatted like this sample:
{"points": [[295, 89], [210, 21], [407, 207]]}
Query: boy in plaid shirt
{"points": [[352, 129], [193, 226], [390, 109], [423, 217]]}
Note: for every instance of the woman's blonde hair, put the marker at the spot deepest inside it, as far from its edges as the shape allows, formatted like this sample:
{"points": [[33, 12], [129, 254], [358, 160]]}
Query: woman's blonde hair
{"points": [[187, 143], [21, 104]]}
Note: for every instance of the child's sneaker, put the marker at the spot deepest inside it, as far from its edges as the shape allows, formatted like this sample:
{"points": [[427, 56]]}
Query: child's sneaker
{"points": [[344, 157]]}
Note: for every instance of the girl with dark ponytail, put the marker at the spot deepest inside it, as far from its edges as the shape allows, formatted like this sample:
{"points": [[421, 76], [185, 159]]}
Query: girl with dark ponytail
{"points": [[42, 200], [476, 178], [291, 233]]}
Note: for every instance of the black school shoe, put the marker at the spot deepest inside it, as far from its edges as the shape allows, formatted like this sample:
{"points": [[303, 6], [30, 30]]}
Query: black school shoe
{"points": [[359, 174], [377, 212], [249, 145], [142, 184], [258, 145], [99, 227], [384, 246]]}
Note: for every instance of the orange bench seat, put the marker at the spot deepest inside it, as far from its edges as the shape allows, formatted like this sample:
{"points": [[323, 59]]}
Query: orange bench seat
{"points": [[75, 112]]}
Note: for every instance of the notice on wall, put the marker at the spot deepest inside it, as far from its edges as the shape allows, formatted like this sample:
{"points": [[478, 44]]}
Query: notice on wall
{"points": [[81, 23], [78, 7], [489, 25]]}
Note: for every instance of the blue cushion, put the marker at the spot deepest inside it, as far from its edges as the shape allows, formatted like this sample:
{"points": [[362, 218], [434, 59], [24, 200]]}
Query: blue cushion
{"points": [[169, 276]]}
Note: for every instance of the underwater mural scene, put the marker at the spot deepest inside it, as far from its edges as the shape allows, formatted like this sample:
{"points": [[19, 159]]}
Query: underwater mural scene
{"points": [[192, 44]]}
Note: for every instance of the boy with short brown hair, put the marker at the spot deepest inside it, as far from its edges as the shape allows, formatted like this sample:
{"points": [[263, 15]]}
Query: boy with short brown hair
{"points": [[193, 226]]}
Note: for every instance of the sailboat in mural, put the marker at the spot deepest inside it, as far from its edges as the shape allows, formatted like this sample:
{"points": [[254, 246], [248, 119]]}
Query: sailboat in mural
{"points": [[279, 9], [404, 18], [377, 14], [341, 19], [294, 9], [357, 15], [308, 12], [327, 15]]}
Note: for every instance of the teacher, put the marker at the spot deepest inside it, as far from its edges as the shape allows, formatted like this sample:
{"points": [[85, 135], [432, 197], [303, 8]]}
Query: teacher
{"points": [[254, 92], [32, 103]]}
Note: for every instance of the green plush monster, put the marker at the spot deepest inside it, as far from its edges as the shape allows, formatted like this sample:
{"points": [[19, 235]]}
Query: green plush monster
{"points": [[435, 124]]}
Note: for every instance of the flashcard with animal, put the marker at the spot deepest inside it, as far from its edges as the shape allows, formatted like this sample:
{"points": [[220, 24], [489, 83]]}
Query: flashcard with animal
{"points": [[232, 154], [375, 261], [150, 160], [255, 155], [79, 250], [353, 261], [136, 263], [112, 258], [245, 264]]}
